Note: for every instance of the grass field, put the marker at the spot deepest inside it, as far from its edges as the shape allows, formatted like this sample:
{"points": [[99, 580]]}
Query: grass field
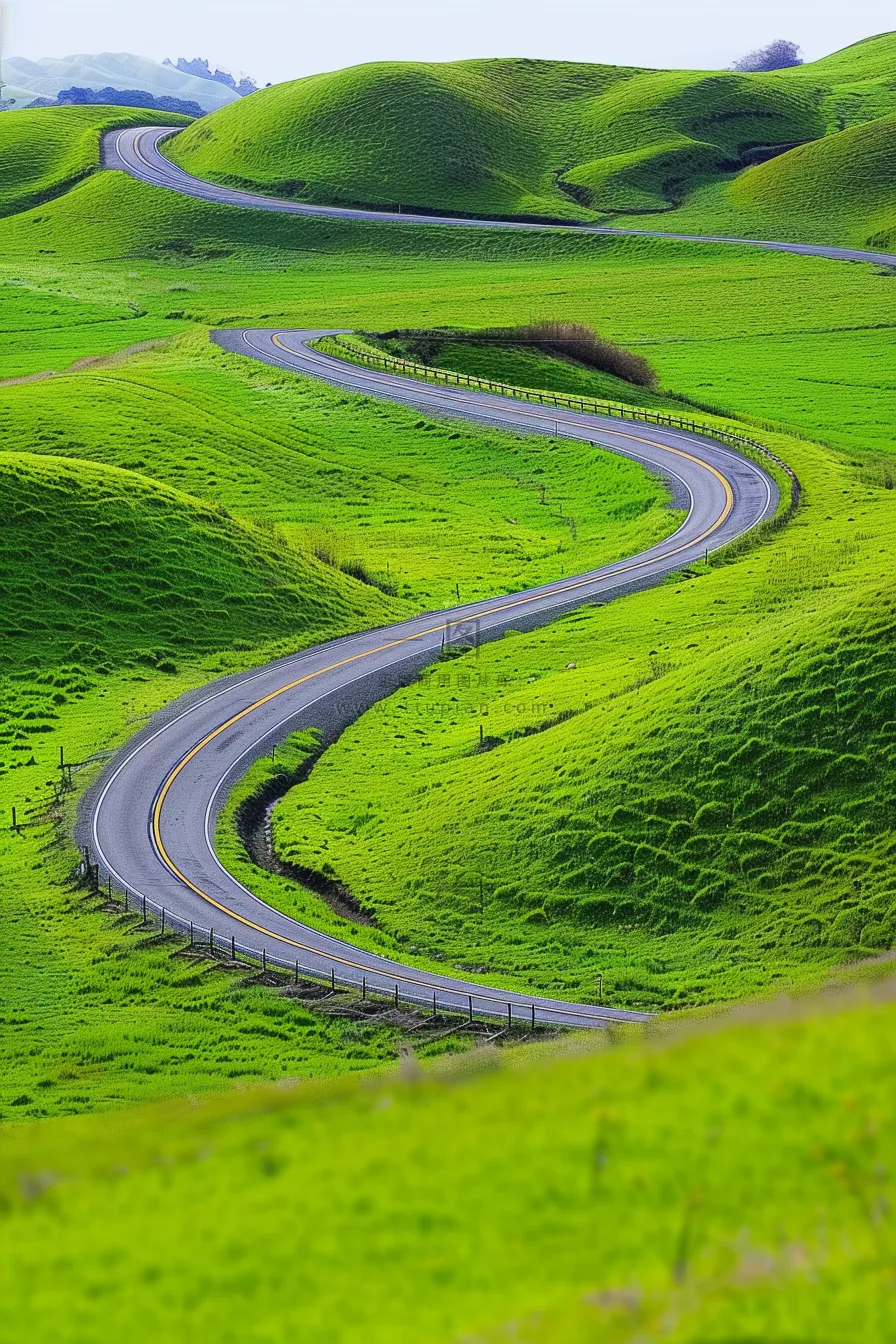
{"points": [[420, 506], [795, 340], [633, 1193], [524, 137]]}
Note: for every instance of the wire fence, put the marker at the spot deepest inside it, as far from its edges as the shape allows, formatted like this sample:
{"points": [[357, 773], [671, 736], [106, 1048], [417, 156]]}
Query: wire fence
{"points": [[563, 401], [400, 991]]}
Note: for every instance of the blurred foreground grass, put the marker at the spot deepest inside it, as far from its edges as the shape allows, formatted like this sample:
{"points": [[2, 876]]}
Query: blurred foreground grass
{"points": [[724, 1180]]}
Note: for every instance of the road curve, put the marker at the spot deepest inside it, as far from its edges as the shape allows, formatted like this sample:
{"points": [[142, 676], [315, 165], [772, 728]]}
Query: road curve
{"points": [[136, 151], [150, 819]]}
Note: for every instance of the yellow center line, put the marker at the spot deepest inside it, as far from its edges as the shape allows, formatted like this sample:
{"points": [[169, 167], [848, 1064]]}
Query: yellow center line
{"points": [[381, 648]]}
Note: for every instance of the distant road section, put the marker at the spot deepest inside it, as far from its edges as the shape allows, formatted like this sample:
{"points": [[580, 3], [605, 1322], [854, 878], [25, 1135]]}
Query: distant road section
{"points": [[137, 151], [150, 820]]}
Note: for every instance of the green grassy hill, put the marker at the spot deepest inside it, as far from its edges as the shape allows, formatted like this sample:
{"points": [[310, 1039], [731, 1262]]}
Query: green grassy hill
{"points": [[46, 151], [527, 137], [145, 566], [622, 1194], [835, 190], [102, 568], [469, 136]]}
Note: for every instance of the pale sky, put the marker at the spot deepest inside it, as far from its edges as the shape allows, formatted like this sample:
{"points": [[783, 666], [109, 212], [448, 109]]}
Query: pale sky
{"points": [[283, 39]]}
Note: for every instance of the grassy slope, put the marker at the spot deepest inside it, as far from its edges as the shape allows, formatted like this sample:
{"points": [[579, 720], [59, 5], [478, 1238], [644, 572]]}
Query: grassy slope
{"points": [[96, 1011], [426, 506], [475, 136], [119, 593], [526, 137], [146, 567], [835, 190], [624, 1195], [44, 151]]}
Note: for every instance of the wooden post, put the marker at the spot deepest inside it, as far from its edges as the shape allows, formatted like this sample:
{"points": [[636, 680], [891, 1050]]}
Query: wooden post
{"points": [[297, 970], [264, 960], [470, 997], [396, 996], [211, 940], [191, 933], [15, 823], [433, 1003], [363, 986], [533, 1017], [163, 919], [509, 1018], [333, 978]]}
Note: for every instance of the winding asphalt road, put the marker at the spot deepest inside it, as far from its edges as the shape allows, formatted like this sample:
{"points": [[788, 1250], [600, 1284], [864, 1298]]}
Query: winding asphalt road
{"points": [[136, 151], [150, 819]]}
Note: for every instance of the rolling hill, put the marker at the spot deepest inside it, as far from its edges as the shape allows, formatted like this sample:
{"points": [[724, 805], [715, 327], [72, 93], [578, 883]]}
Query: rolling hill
{"points": [[45, 151], [728, 737], [26, 80], [682, 790], [523, 137], [839, 189], [147, 566], [102, 567]]}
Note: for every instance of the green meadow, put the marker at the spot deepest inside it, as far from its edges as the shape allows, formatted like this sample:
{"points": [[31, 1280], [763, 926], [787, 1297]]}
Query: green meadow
{"points": [[679, 799], [731, 1181]]}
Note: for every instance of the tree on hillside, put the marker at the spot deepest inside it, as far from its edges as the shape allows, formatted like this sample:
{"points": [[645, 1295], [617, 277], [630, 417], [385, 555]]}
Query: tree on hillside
{"points": [[109, 97], [778, 55]]}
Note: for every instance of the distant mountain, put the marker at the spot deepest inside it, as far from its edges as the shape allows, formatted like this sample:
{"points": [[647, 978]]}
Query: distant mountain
{"points": [[26, 80], [201, 68]]}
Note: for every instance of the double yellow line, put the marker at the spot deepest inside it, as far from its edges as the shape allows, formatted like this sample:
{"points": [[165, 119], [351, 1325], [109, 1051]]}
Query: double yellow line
{"points": [[369, 653]]}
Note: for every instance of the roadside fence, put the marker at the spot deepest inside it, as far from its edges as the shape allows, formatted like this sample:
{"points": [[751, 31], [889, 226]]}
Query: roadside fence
{"points": [[399, 991], [563, 401]]}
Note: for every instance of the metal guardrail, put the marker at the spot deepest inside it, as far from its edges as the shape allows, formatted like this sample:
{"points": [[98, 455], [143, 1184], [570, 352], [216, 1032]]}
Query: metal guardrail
{"points": [[375, 984], [563, 401]]}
